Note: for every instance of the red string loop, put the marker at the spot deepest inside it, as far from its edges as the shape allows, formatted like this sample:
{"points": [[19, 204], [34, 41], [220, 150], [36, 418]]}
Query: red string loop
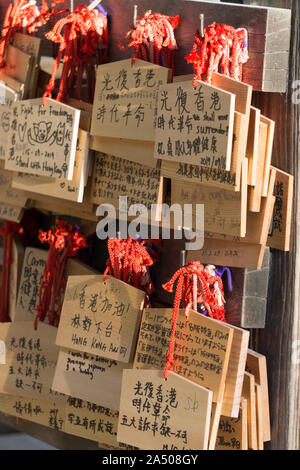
{"points": [[80, 36], [209, 292], [129, 261], [223, 48], [153, 39], [65, 241]]}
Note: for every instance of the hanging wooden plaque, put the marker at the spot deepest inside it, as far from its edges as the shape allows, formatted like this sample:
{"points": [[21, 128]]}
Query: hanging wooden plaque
{"points": [[7, 97], [232, 433], [63, 189], [42, 139], [100, 317], [172, 414], [31, 45], [203, 359], [31, 357], [46, 413], [280, 234], [195, 125], [114, 177], [92, 378], [249, 395], [18, 66], [257, 365], [126, 99]]}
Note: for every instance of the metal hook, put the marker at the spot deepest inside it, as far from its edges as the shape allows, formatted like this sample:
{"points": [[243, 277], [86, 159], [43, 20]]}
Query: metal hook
{"points": [[201, 17], [134, 16], [182, 258]]}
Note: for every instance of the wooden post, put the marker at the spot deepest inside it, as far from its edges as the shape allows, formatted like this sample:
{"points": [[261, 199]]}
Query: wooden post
{"points": [[278, 340]]}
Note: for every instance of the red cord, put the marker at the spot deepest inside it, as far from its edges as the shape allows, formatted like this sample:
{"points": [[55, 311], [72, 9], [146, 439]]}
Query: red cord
{"points": [[64, 241], [79, 36], [185, 294], [23, 17], [153, 39], [222, 48], [8, 231], [129, 261]]}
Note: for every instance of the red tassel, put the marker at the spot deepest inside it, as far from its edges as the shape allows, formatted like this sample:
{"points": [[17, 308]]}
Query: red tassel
{"points": [[65, 241]]}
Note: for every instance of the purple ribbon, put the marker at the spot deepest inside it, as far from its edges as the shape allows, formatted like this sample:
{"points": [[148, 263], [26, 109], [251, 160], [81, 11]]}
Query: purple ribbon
{"points": [[220, 270]]}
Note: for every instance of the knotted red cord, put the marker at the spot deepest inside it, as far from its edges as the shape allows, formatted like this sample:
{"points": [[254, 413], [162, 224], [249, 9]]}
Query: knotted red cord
{"points": [[64, 241], [22, 16], [222, 47], [8, 231], [153, 39], [185, 294], [129, 261], [80, 35]]}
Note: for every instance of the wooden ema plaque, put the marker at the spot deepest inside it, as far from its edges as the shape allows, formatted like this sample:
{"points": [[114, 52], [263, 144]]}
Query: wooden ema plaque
{"points": [[249, 395], [255, 192], [126, 99], [18, 66], [31, 45], [114, 177], [31, 278], [230, 180], [7, 97], [257, 366], [92, 378], [31, 357], [280, 234], [46, 413], [155, 413], [224, 211], [232, 432], [63, 189], [100, 317], [195, 125], [9, 195], [42, 139], [202, 359]]}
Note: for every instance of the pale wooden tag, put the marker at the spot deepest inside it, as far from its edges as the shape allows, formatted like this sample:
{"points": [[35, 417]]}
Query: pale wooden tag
{"points": [[256, 191], [46, 413], [230, 253], [259, 417], [203, 359], [31, 357], [232, 433], [280, 235], [249, 395], [269, 148], [94, 422], [139, 151], [100, 318], [114, 177], [2, 352], [7, 97], [155, 413], [42, 139], [214, 424], [10, 212], [252, 144], [257, 365], [30, 45], [224, 211], [235, 373], [63, 189], [92, 378], [195, 125], [18, 66], [31, 278], [8, 194], [125, 102]]}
